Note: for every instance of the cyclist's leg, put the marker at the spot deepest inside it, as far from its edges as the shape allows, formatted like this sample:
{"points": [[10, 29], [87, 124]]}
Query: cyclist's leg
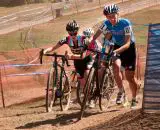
{"points": [[81, 67], [130, 76], [81, 77], [123, 77], [78, 64], [130, 63], [91, 102], [118, 78], [82, 70], [123, 73]]}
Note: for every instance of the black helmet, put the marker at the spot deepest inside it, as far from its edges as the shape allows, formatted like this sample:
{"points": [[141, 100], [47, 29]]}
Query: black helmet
{"points": [[110, 9], [72, 26]]}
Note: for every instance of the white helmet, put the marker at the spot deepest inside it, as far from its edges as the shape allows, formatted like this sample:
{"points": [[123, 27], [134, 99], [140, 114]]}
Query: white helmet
{"points": [[88, 32]]}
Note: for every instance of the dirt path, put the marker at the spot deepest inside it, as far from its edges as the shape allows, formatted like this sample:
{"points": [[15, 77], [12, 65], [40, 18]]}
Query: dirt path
{"points": [[33, 116]]}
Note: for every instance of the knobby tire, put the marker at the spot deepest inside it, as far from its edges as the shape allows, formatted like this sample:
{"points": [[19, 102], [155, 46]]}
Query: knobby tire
{"points": [[106, 89], [50, 91], [87, 90], [65, 99]]}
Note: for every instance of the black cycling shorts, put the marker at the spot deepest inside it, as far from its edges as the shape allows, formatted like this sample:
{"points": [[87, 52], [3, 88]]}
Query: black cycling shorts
{"points": [[128, 57], [81, 65]]}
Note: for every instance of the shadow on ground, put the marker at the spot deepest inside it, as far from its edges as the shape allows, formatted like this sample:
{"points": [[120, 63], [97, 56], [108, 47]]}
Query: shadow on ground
{"points": [[61, 119]]}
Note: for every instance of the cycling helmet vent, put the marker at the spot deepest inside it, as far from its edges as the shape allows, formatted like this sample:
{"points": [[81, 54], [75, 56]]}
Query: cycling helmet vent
{"points": [[88, 32], [110, 9], [72, 26]]}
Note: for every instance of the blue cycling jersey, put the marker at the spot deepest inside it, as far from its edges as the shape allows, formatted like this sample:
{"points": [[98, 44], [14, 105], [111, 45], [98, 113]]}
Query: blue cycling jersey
{"points": [[119, 31]]}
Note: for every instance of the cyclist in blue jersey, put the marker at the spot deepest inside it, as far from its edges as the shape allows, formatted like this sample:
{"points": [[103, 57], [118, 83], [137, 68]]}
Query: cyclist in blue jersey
{"points": [[124, 54]]}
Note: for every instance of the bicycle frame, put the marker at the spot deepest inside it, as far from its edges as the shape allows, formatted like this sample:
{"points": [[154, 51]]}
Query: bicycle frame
{"points": [[96, 66], [56, 65], [95, 69], [55, 82]]}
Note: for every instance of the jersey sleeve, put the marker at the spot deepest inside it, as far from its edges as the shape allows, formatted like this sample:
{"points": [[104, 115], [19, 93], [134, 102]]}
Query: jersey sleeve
{"points": [[128, 28], [63, 41], [104, 28]]}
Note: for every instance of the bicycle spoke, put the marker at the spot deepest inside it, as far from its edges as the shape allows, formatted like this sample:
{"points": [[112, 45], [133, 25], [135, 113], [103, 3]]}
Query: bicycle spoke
{"points": [[107, 89], [50, 91], [80, 93], [87, 91]]}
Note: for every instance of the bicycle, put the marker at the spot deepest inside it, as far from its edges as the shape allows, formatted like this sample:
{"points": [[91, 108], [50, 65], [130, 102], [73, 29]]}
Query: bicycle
{"points": [[75, 83], [58, 86], [94, 89]]}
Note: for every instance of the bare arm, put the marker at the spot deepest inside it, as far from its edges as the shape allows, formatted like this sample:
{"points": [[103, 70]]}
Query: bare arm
{"points": [[74, 57], [97, 34], [50, 49]]}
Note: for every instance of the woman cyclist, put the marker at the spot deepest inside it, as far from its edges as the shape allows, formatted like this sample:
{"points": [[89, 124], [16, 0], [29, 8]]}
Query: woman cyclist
{"points": [[76, 43], [96, 45], [124, 48]]}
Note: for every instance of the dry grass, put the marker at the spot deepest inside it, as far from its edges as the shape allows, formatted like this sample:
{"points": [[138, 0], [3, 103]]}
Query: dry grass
{"points": [[51, 32], [8, 10]]}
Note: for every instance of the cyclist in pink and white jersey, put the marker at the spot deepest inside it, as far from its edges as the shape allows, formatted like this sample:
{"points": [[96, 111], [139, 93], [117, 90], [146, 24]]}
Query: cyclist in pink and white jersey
{"points": [[96, 45], [76, 43]]}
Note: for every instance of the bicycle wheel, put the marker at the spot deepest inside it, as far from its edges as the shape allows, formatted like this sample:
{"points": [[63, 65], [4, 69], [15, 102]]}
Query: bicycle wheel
{"points": [[107, 89], [50, 91], [87, 90], [66, 92], [80, 93]]}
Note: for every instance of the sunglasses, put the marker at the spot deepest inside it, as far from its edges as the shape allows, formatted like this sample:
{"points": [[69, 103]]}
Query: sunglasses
{"points": [[72, 33]]}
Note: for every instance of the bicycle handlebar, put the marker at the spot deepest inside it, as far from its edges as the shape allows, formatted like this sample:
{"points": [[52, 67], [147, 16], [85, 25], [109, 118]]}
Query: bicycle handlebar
{"points": [[109, 54], [96, 51], [41, 54]]}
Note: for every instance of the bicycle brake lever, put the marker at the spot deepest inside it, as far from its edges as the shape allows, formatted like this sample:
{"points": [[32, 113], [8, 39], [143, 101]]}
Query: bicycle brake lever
{"points": [[41, 55], [67, 63]]}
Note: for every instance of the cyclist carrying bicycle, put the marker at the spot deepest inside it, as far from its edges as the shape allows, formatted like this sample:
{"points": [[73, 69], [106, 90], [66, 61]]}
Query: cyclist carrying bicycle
{"points": [[124, 49]]}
